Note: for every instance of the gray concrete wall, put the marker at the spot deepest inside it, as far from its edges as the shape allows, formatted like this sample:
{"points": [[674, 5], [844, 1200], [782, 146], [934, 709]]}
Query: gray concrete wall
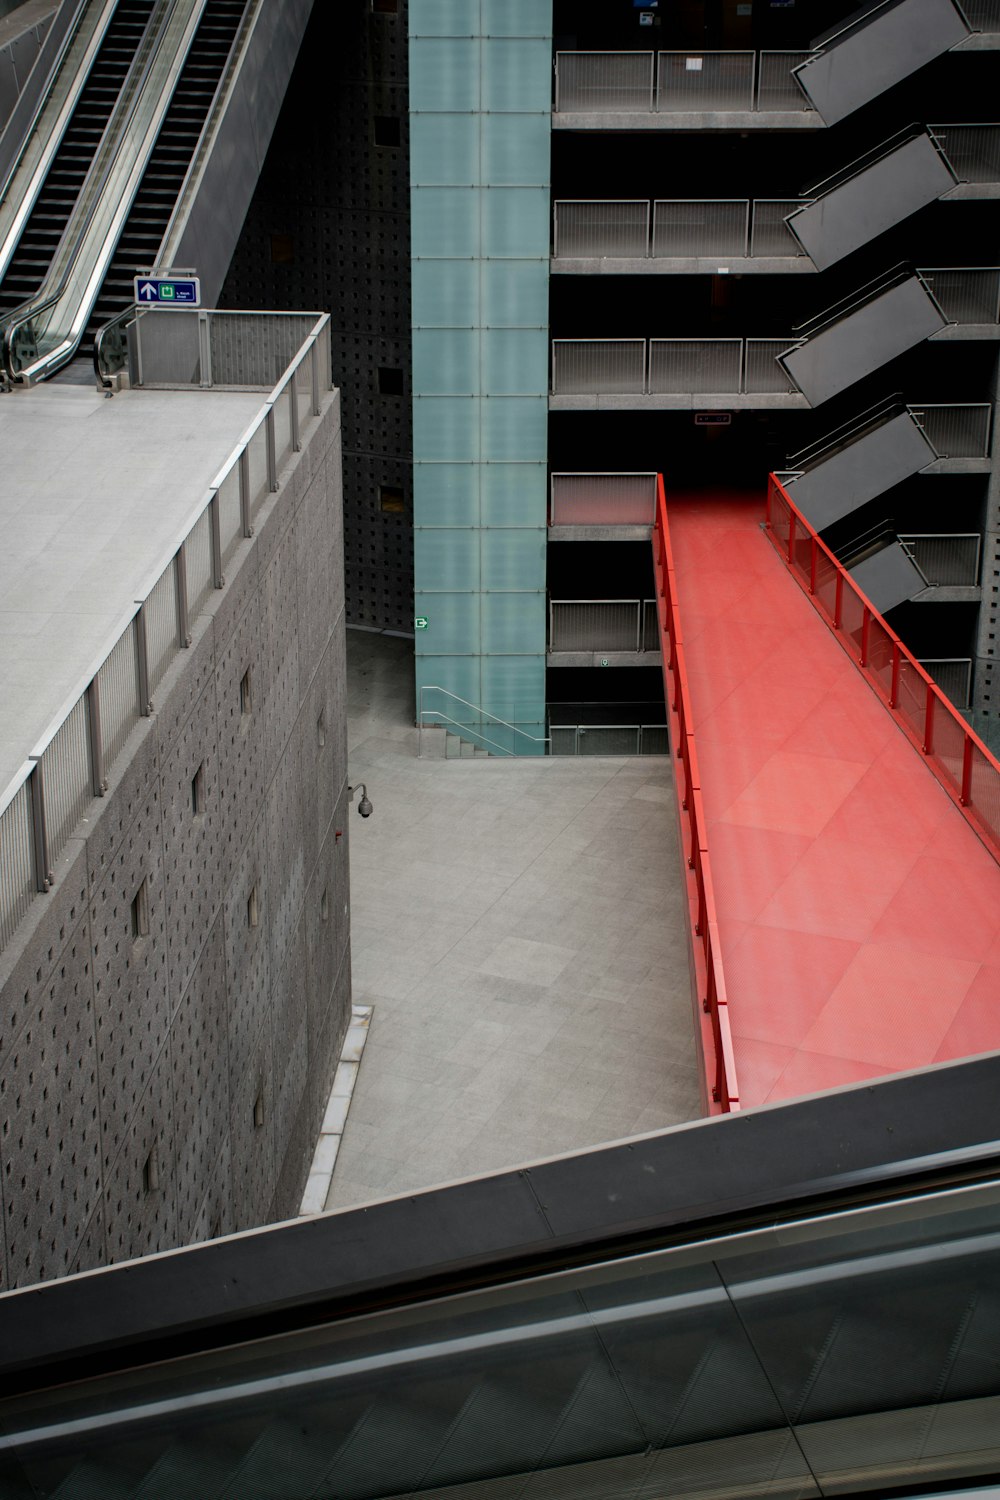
{"points": [[117, 1050]]}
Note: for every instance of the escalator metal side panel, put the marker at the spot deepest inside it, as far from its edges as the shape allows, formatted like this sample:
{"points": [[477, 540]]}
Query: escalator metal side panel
{"points": [[867, 205], [863, 341], [870, 60], [862, 470], [20, 118], [207, 233], [889, 577], [18, 56]]}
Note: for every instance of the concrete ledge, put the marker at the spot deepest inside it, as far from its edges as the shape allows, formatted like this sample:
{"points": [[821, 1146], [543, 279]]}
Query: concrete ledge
{"points": [[603, 659], [682, 265], [600, 533], [949, 593], [702, 120], [959, 466], [958, 333], [710, 401], [979, 41], [970, 190]]}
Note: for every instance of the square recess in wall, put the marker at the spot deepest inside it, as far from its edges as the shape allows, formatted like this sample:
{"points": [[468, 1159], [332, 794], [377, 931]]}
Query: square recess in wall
{"points": [[390, 380], [385, 7], [387, 131], [282, 250], [391, 498]]}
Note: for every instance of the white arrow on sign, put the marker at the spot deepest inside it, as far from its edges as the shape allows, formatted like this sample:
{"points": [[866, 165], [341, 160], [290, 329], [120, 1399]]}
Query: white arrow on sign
{"points": [[148, 290]]}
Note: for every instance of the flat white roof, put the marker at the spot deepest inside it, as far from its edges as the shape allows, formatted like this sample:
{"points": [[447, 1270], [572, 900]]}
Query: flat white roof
{"points": [[94, 497]]}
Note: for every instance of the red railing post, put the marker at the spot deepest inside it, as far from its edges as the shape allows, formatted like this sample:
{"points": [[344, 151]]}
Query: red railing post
{"points": [[929, 721], [967, 772], [813, 564], [894, 690], [838, 604], [791, 537], [866, 632], [767, 504]]}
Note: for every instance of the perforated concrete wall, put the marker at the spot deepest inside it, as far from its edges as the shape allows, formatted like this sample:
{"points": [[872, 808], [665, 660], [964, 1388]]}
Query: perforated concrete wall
{"points": [[329, 228], [167, 1086]]}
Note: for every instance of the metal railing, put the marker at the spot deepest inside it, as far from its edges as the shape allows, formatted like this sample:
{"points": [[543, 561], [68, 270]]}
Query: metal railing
{"points": [[678, 82], [982, 15], [609, 739], [964, 294], [956, 755], [720, 1067], [674, 366], [602, 500], [682, 228], [73, 760], [951, 558], [972, 151], [439, 708], [953, 675], [956, 431], [603, 625]]}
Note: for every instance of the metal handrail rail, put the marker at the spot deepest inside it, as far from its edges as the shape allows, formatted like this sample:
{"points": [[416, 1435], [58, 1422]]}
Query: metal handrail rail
{"points": [[854, 24], [922, 273], [959, 787], [859, 298], [865, 160], [27, 312], [430, 687], [891, 405]]}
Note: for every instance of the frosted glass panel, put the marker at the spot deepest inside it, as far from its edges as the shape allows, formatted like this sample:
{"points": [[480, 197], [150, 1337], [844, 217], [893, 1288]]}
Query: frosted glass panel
{"points": [[446, 361], [514, 494], [444, 221], [446, 293], [516, 294], [444, 149], [458, 674], [517, 75], [513, 560], [445, 495], [513, 623], [516, 17], [444, 73], [516, 222], [446, 559], [516, 149], [444, 17], [515, 427], [518, 680], [446, 427], [452, 622], [515, 361]]}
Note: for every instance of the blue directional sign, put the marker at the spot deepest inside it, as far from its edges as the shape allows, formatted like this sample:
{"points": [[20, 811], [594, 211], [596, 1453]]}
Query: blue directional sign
{"points": [[168, 291]]}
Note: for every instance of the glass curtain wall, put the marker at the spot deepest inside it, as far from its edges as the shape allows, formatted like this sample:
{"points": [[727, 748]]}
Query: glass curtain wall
{"points": [[480, 121]]}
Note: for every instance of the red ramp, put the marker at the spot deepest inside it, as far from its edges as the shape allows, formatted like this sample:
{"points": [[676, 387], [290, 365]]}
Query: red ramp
{"points": [[857, 912]]}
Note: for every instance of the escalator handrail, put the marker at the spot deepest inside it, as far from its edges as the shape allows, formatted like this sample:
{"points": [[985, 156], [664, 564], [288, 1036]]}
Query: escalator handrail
{"points": [[55, 358], [28, 196]]}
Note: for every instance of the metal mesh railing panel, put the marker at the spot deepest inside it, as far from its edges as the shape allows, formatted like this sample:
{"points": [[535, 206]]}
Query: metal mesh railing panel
{"points": [[911, 703], [608, 739], [162, 630], [253, 350], [257, 453], [982, 15], [852, 615], [984, 793], [953, 676], [603, 499], [650, 626], [691, 228], [769, 234], [946, 559], [118, 682], [698, 366], [598, 366], [826, 584], [777, 86], [282, 429], [68, 777], [17, 863], [956, 431], [655, 739], [230, 514], [948, 744], [973, 151], [971, 296], [303, 393], [880, 655], [169, 348], [705, 81], [594, 625], [762, 372], [198, 557], [562, 739], [582, 228], [604, 82]]}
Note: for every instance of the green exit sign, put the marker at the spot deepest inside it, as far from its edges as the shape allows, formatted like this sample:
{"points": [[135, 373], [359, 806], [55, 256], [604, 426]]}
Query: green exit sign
{"points": [[420, 622]]}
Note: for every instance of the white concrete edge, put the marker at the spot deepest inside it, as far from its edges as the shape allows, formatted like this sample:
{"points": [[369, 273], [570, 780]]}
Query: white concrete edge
{"points": [[335, 1119]]}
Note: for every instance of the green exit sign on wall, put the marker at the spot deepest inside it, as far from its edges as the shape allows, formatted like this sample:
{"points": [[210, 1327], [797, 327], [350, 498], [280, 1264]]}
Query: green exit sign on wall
{"points": [[420, 623]]}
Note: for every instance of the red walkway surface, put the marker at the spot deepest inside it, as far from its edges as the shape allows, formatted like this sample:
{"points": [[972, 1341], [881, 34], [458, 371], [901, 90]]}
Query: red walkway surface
{"points": [[859, 912]]}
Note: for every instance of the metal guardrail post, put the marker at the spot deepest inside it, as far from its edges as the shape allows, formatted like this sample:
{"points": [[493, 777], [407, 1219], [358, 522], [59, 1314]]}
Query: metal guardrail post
{"points": [[638, 626], [95, 739], [813, 564], [272, 467], [142, 661], [180, 580], [245, 515], [929, 721], [838, 603], [966, 794], [866, 630], [791, 537], [894, 689], [39, 837], [293, 415], [314, 364], [205, 350], [215, 534]]}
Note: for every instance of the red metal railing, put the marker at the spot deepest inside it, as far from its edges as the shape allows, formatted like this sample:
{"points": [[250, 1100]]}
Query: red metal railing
{"points": [[720, 1069], [959, 759]]}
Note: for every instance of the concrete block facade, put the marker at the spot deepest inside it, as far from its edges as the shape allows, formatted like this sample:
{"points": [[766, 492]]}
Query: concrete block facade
{"points": [[171, 1013]]}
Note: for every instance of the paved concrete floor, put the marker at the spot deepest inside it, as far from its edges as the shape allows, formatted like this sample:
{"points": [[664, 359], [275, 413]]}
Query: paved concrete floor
{"points": [[518, 927]]}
